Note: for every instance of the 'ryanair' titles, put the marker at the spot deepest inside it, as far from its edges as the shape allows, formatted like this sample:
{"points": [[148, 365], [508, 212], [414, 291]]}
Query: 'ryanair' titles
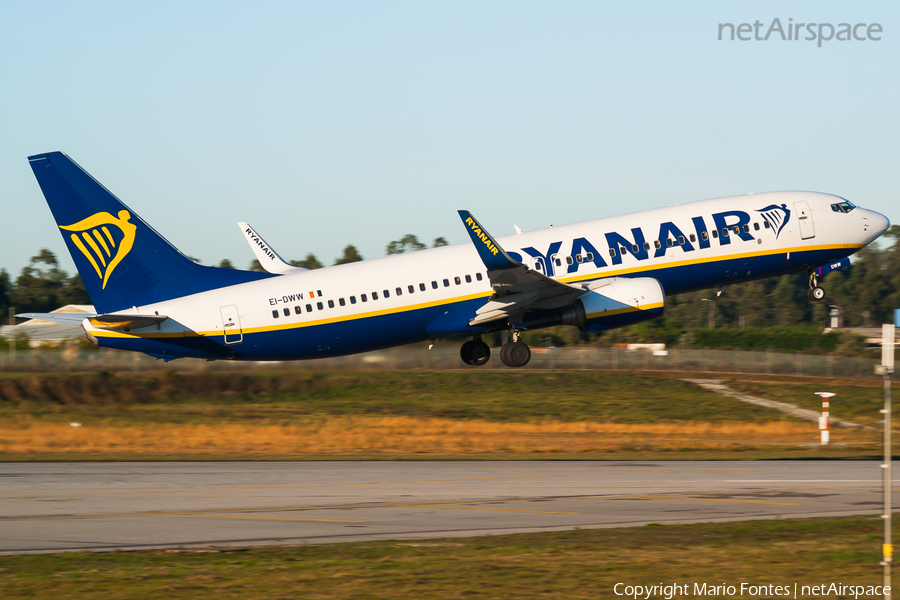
{"points": [[727, 224], [482, 236]]}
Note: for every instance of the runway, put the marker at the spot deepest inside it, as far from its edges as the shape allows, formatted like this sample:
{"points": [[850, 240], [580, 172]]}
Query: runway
{"points": [[53, 507]]}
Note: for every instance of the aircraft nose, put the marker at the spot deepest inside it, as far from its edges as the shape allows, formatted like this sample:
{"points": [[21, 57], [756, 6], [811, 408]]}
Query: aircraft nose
{"points": [[875, 224]]}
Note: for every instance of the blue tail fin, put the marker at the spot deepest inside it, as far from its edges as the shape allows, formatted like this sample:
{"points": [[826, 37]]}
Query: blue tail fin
{"points": [[122, 260]]}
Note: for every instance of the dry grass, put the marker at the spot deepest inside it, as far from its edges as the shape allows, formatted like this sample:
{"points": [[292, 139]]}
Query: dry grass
{"points": [[392, 436]]}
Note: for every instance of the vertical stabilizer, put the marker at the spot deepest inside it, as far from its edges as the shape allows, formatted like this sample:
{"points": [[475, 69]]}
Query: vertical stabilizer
{"points": [[122, 260]]}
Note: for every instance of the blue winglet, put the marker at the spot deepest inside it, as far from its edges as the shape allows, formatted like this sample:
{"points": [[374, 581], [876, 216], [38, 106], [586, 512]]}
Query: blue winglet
{"points": [[492, 255]]}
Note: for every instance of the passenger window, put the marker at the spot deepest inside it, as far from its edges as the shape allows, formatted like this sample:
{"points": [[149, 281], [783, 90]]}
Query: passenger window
{"points": [[399, 291], [635, 249], [681, 240], [387, 294], [297, 309], [446, 283], [736, 229], [374, 295], [341, 302], [569, 260], [331, 304], [309, 308], [434, 285], [746, 229], [756, 226], [421, 287], [319, 305], [716, 233], [363, 297], [275, 314], [412, 289], [693, 238], [623, 250], [558, 262], [612, 251], [468, 279], [658, 244], [352, 299], [287, 312], [457, 280], [724, 232], [478, 276], [590, 256], [704, 236], [767, 225], [669, 242], [646, 245]]}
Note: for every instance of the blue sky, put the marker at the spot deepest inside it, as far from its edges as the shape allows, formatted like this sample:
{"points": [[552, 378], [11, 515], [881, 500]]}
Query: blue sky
{"points": [[333, 123]]}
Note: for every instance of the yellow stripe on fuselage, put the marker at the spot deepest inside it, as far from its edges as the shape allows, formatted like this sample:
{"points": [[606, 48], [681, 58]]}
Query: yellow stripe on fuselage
{"points": [[412, 307]]}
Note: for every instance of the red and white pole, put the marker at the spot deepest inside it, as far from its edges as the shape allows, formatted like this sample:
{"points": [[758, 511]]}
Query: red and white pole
{"points": [[823, 420]]}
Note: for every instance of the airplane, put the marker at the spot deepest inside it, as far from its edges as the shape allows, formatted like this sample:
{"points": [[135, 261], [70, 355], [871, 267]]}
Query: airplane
{"points": [[595, 275]]}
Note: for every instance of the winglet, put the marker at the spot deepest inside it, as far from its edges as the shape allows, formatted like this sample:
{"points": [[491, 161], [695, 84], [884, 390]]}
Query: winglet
{"points": [[270, 260], [492, 255]]}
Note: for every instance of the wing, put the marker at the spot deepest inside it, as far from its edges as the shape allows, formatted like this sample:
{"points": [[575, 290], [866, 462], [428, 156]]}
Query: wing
{"points": [[517, 289], [267, 257]]}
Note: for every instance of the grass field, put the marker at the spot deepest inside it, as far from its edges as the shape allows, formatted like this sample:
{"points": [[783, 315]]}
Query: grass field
{"points": [[571, 565], [853, 402], [396, 415]]}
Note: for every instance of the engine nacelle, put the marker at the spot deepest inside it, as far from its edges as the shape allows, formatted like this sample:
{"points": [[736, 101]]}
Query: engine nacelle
{"points": [[620, 301]]}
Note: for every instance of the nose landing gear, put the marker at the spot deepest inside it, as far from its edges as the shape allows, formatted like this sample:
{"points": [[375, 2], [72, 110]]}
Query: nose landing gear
{"points": [[815, 293]]}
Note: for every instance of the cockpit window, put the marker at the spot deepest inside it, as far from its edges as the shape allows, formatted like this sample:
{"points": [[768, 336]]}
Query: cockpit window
{"points": [[844, 207]]}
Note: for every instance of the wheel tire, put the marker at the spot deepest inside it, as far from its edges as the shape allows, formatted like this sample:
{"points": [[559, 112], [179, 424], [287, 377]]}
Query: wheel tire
{"points": [[817, 294], [516, 355], [465, 352], [480, 353], [504, 354]]}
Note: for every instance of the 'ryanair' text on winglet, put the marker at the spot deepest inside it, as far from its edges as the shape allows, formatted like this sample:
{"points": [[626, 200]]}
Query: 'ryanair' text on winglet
{"points": [[492, 255]]}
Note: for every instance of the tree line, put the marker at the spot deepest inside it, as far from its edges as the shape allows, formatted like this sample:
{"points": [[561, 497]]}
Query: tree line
{"points": [[867, 293]]}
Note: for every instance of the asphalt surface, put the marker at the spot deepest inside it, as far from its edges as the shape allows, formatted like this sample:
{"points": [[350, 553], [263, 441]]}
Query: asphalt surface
{"points": [[52, 507]]}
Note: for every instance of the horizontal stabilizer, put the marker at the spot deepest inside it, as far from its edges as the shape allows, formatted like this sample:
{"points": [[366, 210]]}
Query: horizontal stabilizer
{"points": [[66, 318], [270, 260], [126, 322]]}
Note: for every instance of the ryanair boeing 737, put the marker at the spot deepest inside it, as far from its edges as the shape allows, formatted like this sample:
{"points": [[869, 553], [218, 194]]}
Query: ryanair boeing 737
{"points": [[595, 275]]}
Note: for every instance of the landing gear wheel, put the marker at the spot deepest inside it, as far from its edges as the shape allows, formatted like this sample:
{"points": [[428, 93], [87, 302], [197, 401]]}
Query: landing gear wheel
{"points": [[515, 354], [816, 294], [475, 353]]}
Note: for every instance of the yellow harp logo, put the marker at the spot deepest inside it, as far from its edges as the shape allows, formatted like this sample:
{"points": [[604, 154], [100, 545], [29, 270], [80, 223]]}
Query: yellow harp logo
{"points": [[99, 245]]}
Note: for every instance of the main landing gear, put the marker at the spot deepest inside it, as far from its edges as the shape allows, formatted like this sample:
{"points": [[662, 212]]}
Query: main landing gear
{"points": [[513, 354], [475, 352], [815, 293]]}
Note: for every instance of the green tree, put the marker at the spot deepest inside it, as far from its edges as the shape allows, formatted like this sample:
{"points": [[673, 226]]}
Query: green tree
{"points": [[5, 291], [226, 264], [41, 285], [310, 262], [74, 291], [438, 242], [351, 254], [408, 243], [255, 266]]}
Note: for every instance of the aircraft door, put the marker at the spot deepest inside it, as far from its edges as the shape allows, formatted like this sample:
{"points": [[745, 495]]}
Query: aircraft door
{"points": [[804, 217], [231, 324]]}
